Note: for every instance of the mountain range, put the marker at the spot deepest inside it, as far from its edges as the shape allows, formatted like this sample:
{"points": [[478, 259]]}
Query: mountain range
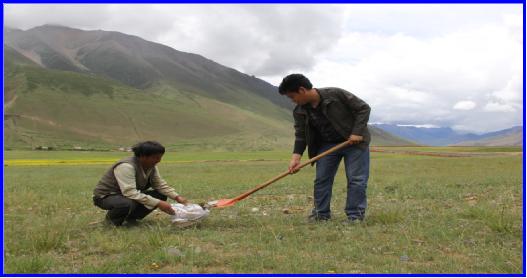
{"points": [[66, 87], [507, 137], [444, 136]]}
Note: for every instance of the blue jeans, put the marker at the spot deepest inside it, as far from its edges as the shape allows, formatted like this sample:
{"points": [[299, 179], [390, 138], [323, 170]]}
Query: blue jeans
{"points": [[357, 164]]}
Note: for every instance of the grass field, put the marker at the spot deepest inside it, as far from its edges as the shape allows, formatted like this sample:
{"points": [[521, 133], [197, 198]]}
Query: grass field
{"points": [[426, 215]]}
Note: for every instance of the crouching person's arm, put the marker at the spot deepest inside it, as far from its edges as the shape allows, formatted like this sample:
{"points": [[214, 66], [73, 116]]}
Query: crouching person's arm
{"points": [[125, 175], [159, 184]]}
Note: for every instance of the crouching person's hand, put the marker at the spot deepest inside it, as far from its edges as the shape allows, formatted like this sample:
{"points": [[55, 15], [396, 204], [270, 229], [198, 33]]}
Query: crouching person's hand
{"points": [[166, 207], [181, 200]]}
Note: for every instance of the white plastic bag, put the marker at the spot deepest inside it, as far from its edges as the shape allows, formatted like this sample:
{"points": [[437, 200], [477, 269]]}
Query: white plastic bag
{"points": [[187, 215]]}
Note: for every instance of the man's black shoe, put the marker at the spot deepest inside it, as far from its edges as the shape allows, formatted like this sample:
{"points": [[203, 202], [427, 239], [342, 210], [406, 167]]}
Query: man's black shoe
{"points": [[132, 222], [318, 218], [108, 221], [352, 221]]}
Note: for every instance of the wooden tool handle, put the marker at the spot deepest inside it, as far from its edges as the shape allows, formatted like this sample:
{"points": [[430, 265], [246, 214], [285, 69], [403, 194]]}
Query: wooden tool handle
{"points": [[334, 149], [265, 184]]}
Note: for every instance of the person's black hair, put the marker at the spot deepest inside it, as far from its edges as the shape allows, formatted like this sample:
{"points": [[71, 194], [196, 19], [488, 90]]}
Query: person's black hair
{"points": [[293, 82], [148, 148]]}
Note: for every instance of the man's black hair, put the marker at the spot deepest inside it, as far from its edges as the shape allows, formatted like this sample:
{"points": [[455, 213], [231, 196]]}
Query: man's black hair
{"points": [[293, 82], [148, 148]]}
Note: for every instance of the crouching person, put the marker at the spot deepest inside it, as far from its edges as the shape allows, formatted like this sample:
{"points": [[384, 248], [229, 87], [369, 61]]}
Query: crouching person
{"points": [[132, 188]]}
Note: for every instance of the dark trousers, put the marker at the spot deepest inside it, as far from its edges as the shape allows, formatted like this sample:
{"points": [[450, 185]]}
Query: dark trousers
{"points": [[357, 166], [122, 209]]}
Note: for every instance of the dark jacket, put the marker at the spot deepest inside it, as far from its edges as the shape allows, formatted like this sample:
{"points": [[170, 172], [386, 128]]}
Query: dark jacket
{"points": [[346, 112]]}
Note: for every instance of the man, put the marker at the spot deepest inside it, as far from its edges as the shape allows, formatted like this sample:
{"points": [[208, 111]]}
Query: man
{"points": [[325, 117], [124, 190]]}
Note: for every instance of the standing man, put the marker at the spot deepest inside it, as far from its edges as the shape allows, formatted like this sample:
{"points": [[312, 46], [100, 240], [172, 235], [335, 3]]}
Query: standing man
{"points": [[325, 117], [125, 192]]}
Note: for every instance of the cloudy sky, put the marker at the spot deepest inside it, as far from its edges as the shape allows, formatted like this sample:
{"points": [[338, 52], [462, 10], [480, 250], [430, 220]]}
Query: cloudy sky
{"points": [[428, 65]]}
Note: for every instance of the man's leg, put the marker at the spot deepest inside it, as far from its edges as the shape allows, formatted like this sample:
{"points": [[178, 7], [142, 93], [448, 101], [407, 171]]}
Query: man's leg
{"points": [[141, 211], [118, 206], [357, 163], [326, 168]]}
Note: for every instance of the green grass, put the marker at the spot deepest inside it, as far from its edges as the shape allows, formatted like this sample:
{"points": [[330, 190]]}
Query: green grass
{"points": [[69, 82], [426, 215]]}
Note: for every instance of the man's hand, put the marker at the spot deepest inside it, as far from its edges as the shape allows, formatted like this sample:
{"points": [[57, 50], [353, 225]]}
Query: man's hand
{"points": [[355, 139], [181, 200], [166, 207], [295, 162]]}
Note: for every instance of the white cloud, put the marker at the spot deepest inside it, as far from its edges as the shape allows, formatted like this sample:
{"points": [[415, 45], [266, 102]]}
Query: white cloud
{"points": [[25, 16], [508, 96], [422, 126], [420, 79], [498, 107], [464, 105]]}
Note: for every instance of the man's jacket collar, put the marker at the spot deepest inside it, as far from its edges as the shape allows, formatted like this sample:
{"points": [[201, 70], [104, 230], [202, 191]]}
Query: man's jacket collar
{"points": [[325, 95]]}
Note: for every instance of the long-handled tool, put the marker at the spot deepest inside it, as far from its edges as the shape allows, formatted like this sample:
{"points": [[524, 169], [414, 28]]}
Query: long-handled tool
{"points": [[229, 202]]}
